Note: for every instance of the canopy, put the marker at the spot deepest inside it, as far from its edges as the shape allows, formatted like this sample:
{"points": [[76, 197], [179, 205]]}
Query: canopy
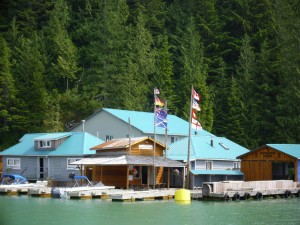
{"points": [[129, 160], [17, 179]]}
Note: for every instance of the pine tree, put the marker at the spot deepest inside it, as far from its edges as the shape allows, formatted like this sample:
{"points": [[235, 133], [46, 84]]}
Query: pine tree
{"points": [[194, 72], [288, 95], [61, 52], [29, 70], [141, 59], [9, 118]]}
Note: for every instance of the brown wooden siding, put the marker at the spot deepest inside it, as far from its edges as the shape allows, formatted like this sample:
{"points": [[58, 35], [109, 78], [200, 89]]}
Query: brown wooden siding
{"points": [[159, 176], [111, 175], [258, 164]]}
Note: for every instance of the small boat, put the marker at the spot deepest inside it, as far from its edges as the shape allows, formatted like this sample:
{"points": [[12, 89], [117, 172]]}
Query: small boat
{"points": [[12, 179], [14, 184], [82, 188]]}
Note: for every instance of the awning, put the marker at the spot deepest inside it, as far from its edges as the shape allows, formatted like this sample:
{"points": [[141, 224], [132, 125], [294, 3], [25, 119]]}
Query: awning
{"points": [[129, 160], [217, 172]]}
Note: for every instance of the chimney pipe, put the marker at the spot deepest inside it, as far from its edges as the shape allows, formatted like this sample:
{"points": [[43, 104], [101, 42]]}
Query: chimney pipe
{"points": [[83, 121], [212, 142]]}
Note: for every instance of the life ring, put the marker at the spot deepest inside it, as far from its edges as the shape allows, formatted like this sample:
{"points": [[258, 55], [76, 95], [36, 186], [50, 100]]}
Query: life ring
{"points": [[246, 196], [236, 196], [226, 197], [287, 193], [258, 196]]}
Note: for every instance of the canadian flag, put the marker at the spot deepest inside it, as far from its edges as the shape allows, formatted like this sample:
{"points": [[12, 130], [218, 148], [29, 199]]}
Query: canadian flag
{"points": [[195, 95]]}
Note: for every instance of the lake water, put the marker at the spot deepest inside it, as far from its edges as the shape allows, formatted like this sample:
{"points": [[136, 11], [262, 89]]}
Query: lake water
{"points": [[24, 210]]}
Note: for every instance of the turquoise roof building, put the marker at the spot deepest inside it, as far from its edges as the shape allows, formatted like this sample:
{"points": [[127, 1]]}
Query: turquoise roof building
{"points": [[48, 155], [272, 162], [290, 149], [110, 124], [211, 158]]}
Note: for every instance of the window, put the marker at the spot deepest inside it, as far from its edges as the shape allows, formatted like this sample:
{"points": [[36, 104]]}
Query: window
{"points": [[44, 144], [109, 137], [14, 163], [73, 167], [236, 165], [174, 139], [208, 165]]}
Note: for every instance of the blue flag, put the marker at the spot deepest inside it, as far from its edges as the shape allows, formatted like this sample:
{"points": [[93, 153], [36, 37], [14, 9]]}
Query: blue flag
{"points": [[161, 118]]}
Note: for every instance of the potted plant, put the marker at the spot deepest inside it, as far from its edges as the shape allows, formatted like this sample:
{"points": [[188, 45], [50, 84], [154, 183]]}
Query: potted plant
{"points": [[176, 172]]}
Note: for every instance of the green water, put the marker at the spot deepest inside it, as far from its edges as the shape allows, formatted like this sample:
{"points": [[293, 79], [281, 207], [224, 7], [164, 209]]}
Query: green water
{"points": [[23, 210]]}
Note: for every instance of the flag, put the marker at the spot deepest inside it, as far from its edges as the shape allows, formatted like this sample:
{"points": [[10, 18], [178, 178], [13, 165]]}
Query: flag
{"points": [[196, 125], [156, 91], [195, 95], [196, 105], [161, 118], [159, 102]]}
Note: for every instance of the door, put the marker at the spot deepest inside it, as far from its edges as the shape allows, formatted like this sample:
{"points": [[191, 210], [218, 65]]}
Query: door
{"points": [[144, 174], [41, 165]]}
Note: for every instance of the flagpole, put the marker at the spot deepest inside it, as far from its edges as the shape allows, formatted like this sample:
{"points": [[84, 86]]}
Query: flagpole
{"points": [[154, 147], [129, 135], [189, 144], [166, 132]]}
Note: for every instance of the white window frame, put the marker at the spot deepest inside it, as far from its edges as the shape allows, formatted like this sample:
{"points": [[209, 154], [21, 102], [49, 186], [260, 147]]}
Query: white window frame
{"points": [[44, 143], [236, 165], [13, 163], [73, 167], [207, 163]]}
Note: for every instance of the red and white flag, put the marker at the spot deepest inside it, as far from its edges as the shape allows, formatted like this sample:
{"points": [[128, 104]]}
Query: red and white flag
{"points": [[195, 95], [196, 125], [196, 105]]}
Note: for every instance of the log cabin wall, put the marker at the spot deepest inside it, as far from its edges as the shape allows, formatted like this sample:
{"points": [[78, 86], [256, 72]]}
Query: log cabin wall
{"points": [[111, 175], [257, 165], [116, 175], [145, 148]]}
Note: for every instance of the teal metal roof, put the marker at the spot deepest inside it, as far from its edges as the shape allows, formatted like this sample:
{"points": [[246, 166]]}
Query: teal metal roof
{"points": [[77, 144], [144, 121], [216, 172], [53, 136], [201, 148], [290, 149]]}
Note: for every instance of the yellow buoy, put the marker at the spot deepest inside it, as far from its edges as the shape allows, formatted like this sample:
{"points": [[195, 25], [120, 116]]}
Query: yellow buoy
{"points": [[183, 195]]}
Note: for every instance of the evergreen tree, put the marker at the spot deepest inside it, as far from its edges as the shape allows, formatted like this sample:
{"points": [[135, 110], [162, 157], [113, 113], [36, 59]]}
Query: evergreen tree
{"points": [[235, 129], [61, 52], [9, 117], [163, 77], [29, 70], [288, 98], [193, 72], [246, 71], [135, 87]]}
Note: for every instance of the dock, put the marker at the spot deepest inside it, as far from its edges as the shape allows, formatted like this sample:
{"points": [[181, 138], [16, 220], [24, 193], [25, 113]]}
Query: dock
{"points": [[222, 191], [21, 189], [240, 190]]}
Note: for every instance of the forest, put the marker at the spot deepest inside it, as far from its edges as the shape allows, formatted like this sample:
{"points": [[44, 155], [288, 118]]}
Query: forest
{"points": [[60, 60]]}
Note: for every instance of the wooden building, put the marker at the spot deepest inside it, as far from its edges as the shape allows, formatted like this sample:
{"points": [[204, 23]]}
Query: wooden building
{"points": [[129, 163], [272, 162]]}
